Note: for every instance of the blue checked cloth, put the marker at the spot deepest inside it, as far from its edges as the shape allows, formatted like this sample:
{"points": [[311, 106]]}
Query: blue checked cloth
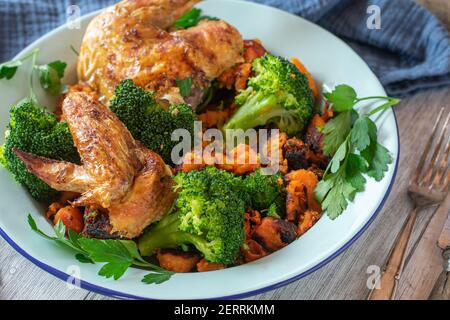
{"points": [[410, 52]]}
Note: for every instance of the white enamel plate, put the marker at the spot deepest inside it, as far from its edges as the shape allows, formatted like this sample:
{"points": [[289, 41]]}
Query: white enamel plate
{"points": [[330, 61]]}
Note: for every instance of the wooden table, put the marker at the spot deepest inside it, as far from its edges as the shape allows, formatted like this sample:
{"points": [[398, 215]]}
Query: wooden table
{"points": [[343, 278]]}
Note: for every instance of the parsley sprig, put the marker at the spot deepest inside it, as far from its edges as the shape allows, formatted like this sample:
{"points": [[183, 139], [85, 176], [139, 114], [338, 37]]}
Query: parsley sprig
{"points": [[185, 86], [351, 138], [191, 19], [118, 255], [50, 74]]}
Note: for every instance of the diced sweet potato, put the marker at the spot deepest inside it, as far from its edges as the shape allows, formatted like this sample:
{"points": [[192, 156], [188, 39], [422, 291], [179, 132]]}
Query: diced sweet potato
{"points": [[204, 266], [252, 251], [192, 161], [213, 118], [253, 49], [300, 194], [228, 78], [243, 72], [306, 221], [274, 234], [241, 160], [52, 210], [71, 217], [251, 219], [176, 260], [300, 156]]}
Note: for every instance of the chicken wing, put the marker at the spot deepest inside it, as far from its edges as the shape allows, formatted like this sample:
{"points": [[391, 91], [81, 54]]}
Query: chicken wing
{"points": [[130, 41], [116, 172], [151, 193]]}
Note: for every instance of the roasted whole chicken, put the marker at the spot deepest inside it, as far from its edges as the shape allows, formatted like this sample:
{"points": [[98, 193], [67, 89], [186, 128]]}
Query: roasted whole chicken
{"points": [[117, 173], [132, 40]]}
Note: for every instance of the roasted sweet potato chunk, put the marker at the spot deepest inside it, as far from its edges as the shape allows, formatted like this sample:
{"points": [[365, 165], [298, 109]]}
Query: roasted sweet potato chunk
{"points": [[306, 221], [274, 234], [300, 194], [300, 156], [176, 260], [204, 266], [71, 217], [253, 251]]}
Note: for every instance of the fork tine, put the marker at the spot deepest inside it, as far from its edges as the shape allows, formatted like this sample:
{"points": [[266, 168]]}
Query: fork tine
{"points": [[442, 168], [419, 168], [430, 172], [446, 182]]}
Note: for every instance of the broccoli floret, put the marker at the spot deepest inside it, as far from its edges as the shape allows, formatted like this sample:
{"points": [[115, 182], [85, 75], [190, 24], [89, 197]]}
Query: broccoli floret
{"points": [[278, 93], [35, 130], [208, 214], [147, 121], [265, 190]]}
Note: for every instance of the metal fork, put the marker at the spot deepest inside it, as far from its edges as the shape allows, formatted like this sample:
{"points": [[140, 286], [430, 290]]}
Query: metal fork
{"points": [[428, 187]]}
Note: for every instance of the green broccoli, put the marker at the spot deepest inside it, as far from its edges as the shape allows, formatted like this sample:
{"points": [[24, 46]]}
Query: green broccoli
{"points": [[278, 93], [147, 121], [265, 190], [35, 130], [208, 214]]}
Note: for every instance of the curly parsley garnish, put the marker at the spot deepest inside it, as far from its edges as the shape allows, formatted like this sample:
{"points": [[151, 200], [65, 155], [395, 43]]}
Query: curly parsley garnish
{"points": [[351, 138]]}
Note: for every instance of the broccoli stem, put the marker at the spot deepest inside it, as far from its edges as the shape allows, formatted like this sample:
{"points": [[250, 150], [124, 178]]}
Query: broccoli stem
{"points": [[167, 235], [257, 111]]}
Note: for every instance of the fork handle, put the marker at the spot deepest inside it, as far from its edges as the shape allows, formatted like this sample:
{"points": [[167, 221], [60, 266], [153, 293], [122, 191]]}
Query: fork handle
{"points": [[395, 263]]}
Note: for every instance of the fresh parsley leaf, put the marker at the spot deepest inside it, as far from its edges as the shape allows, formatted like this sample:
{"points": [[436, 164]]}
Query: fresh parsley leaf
{"points": [[157, 278], [59, 66], [343, 98], [60, 231], [334, 193], [50, 76], [185, 86], [364, 130], [34, 227], [378, 158], [106, 250], [336, 131], [114, 269], [356, 165], [340, 155], [118, 255], [8, 69], [351, 138], [82, 258], [191, 19]]}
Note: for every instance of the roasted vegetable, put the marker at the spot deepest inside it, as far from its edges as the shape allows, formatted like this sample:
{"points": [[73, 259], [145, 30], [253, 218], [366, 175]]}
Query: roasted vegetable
{"points": [[177, 260], [279, 93], [71, 218], [147, 121], [274, 234], [34, 130], [208, 214], [265, 190]]}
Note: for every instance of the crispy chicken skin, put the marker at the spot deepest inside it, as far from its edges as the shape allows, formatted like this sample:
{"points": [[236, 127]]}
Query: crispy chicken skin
{"points": [[130, 41], [151, 191], [116, 172], [108, 152]]}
